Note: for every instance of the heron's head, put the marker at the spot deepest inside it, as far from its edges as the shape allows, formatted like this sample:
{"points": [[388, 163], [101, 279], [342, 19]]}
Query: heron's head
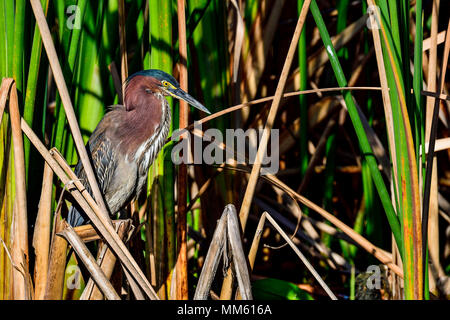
{"points": [[152, 82]]}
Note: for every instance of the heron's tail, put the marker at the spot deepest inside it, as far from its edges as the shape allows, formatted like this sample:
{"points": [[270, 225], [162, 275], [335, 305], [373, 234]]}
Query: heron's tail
{"points": [[75, 218]]}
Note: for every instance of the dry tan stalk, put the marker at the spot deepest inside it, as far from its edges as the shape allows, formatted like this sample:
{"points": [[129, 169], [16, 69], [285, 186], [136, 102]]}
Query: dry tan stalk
{"points": [[89, 261], [123, 44], [87, 233], [433, 211], [181, 274], [318, 59], [249, 192], [116, 80], [58, 254], [67, 104], [239, 260], [386, 98], [109, 261], [103, 225], [41, 236], [21, 219], [286, 95], [239, 38], [211, 261], [440, 38], [256, 59], [245, 207], [383, 256], [4, 92], [5, 267], [317, 155], [364, 243], [300, 255]]}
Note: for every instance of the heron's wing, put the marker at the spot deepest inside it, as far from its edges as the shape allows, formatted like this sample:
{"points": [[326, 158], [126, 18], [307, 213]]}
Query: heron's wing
{"points": [[100, 150], [101, 153]]}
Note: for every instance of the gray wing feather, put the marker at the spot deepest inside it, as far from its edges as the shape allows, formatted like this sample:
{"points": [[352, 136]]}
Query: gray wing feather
{"points": [[101, 153]]}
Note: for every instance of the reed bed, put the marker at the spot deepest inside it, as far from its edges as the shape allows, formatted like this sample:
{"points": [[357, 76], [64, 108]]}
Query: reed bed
{"points": [[350, 97]]}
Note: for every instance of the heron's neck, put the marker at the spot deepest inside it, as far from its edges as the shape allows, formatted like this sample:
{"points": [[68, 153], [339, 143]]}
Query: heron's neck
{"points": [[145, 123]]}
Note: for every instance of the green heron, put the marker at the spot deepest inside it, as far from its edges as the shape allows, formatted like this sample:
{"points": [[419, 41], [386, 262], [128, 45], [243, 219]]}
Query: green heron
{"points": [[128, 138]]}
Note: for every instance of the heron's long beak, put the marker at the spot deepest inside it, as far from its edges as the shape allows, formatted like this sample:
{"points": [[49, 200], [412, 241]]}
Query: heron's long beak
{"points": [[180, 94]]}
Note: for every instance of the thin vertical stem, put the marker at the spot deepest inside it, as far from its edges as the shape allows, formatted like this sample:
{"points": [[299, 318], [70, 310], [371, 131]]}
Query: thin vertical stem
{"points": [[181, 265]]}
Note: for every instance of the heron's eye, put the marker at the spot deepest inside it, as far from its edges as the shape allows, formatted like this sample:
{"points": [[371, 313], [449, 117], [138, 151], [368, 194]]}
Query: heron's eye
{"points": [[165, 83]]}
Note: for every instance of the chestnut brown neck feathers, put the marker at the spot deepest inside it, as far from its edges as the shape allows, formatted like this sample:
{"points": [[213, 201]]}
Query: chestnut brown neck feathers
{"points": [[145, 113]]}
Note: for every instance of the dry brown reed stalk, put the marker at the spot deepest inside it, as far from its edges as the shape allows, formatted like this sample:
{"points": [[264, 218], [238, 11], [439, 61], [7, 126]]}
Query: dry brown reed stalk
{"points": [[312, 114], [108, 262], [41, 236], [87, 233], [378, 253], [436, 271], [211, 260], [85, 200], [57, 263], [239, 259], [116, 80], [238, 41], [309, 235], [4, 94], [266, 216], [181, 263], [318, 59], [104, 252], [21, 289], [391, 139], [440, 38], [123, 44], [433, 211], [360, 240], [5, 267], [67, 104], [227, 231], [317, 156], [86, 257], [256, 59], [249, 192]]}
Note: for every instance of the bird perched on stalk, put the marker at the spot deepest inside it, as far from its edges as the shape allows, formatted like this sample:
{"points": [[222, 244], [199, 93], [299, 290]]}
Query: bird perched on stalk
{"points": [[128, 138]]}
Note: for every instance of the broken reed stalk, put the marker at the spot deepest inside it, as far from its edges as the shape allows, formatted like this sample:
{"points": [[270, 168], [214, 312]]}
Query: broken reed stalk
{"points": [[106, 252], [181, 263], [86, 257], [269, 98], [245, 207], [381, 255], [227, 231], [57, 264], [67, 104], [20, 213], [360, 240], [102, 224], [211, 261], [266, 216], [239, 260], [41, 236], [107, 262], [254, 175], [87, 233]]}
